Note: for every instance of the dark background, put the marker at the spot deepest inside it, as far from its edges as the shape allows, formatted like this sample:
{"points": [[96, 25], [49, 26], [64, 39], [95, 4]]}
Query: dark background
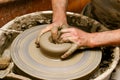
{"points": [[10, 10]]}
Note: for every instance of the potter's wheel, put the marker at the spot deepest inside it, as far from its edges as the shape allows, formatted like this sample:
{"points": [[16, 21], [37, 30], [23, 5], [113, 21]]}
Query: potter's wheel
{"points": [[30, 59]]}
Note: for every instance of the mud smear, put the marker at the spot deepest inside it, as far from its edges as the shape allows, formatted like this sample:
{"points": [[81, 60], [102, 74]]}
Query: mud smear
{"points": [[84, 23]]}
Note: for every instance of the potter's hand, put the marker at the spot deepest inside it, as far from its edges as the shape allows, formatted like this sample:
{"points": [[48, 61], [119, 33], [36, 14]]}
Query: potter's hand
{"points": [[54, 27], [56, 32], [78, 37], [59, 18], [48, 28]]}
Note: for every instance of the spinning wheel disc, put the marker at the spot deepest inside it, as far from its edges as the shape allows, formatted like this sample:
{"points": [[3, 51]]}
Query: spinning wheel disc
{"points": [[32, 61]]}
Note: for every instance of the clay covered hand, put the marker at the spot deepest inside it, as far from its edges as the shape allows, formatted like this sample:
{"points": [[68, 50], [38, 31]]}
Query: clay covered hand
{"points": [[76, 36], [51, 27], [57, 39], [79, 39]]}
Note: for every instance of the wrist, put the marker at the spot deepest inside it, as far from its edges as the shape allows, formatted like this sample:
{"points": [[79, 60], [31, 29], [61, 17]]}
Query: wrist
{"points": [[97, 40], [91, 43], [59, 18]]}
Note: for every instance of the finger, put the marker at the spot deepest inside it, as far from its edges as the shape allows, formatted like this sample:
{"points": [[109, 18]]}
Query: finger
{"points": [[37, 39], [40, 33], [66, 30], [64, 26], [70, 51], [65, 39], [65, 35], [54, 32], [68, 39]]}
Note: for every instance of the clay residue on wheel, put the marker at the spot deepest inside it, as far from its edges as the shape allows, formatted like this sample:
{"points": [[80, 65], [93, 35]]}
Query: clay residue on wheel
{"points": [[51, 49], [84, 23], [30, 21], [107, 59]]}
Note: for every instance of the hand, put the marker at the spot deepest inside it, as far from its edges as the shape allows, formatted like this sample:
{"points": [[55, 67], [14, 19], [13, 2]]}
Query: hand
{"points": [[76, 36], [54, 31]]}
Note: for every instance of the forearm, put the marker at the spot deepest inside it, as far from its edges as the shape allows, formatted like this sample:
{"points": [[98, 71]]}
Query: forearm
{"points": [[59, 10], [106, 38]]}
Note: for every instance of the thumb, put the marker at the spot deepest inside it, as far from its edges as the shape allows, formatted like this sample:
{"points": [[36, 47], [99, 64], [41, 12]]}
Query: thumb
{"points": [[73, 48]]}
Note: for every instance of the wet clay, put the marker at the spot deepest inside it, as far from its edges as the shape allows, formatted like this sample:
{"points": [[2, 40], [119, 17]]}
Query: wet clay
{"points": [[55, 47], [4, 63], [5, 39], [51, 49], [82, 22], [8, 35], [23, 49]]}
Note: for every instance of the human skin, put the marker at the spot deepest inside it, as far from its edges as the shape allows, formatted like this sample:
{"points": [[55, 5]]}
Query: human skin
{"points": [[59, 6], [81, 38], [97, 39], [59, 18]]}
